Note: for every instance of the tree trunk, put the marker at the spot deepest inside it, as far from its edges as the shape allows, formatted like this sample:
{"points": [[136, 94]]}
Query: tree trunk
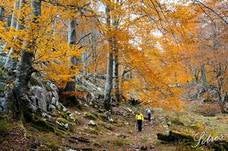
{"points": [[36, 8], [116, 59], [85, 62], [116, 71], [20, 21], [17, 25], [24, 71], [13, 23], [109, 74], [220, 71], [94, 51], [108, 82], [2, 11], [203, 75], [71, 32], [71, 38], [196, 74]]}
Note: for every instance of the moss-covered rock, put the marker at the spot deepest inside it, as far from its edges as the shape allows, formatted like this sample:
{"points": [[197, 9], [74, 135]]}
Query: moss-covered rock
{"points": [[43, 125]]}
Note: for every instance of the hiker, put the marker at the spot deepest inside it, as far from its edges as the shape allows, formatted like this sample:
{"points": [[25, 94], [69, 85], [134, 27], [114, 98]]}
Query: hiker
{"points": [[149, 114], [139, 118]]}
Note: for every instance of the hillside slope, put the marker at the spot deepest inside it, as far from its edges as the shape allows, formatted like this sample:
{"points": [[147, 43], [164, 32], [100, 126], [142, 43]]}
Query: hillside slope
{"points": [[93, 129]]}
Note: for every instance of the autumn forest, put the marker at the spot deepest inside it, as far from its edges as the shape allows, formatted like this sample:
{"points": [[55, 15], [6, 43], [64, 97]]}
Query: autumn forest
{"points": [[74, 75]]}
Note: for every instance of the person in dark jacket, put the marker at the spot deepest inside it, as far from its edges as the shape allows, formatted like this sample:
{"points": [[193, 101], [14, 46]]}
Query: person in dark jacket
{"points": [[149, 114]]}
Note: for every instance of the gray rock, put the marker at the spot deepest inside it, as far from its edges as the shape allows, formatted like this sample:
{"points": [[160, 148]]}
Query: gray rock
{"points": [[39, 97], [92, 123], [63, 123], [44, 95], [66, 126], [72, 117], [52, 107], [3, 104], [64, 109]]}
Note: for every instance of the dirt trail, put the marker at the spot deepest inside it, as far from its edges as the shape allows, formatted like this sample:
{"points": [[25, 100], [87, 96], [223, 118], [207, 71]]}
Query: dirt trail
{"points": [[117, 135], [120, 135]]}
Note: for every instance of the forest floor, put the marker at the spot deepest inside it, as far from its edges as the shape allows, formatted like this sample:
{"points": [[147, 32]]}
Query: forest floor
{"points": [[119, 134]]}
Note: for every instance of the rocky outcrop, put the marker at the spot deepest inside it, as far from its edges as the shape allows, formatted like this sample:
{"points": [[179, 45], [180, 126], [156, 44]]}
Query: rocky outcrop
{"points": [[6, 76], [198, 91], [43, 95], [92, 85]]}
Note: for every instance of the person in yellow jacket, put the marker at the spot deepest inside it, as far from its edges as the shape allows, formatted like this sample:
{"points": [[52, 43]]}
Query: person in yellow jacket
{"points": [[139, 119]]}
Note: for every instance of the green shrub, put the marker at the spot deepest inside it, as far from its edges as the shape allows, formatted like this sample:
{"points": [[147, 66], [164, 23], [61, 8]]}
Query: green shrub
{"points": [[4, 125]]}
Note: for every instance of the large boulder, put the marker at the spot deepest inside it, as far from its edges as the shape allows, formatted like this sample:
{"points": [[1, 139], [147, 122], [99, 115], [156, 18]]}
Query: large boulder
{"points": [[43, 95]]}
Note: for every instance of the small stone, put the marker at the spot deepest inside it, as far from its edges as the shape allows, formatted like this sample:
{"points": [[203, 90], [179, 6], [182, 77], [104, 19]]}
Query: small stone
{"points": [[110, 120], [86, 105], [44, 114], [72, 117], [122, 136], [52, 107], [71, 150], [68, 113], [92, 123], [130, 110], [126, 123], [64, 109], [76, 112], [66, 126]]}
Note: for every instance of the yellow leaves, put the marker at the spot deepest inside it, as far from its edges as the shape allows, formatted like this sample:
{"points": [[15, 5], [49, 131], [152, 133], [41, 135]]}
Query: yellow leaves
{"points": [[46, 38], [121, 36], [182, 12], [53, 58], [136, 89], [59, 72], [157, 60]]}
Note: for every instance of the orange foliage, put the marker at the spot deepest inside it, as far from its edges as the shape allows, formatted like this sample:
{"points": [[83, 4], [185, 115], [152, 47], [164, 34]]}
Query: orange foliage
{"points": [[159, 41]]}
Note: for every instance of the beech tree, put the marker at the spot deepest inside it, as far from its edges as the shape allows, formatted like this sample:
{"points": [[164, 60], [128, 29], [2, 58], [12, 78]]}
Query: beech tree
{"points": [[34, 49], [145, 49]]}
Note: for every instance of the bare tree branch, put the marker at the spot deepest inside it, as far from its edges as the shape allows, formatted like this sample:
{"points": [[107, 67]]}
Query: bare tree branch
{"points": [[213, 11]]}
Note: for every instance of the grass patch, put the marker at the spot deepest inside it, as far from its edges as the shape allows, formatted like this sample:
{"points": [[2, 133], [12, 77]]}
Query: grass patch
{"points": [[5, 125], [120, 142], [144, 139], [90, 116], [92, 130], [43, 126], [50, 140]]}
